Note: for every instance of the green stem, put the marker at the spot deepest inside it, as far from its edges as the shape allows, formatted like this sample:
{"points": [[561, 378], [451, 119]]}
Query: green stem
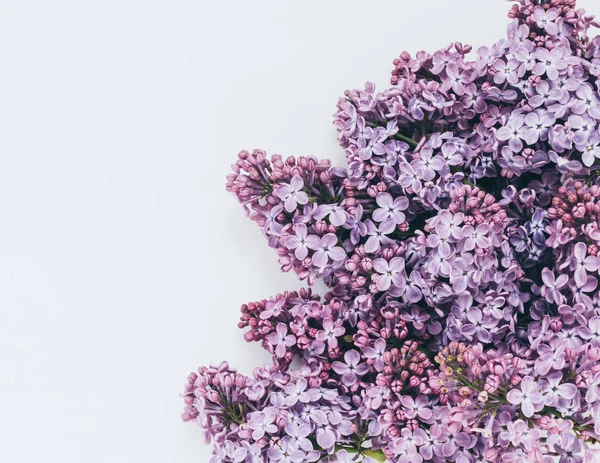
{"points": [[406, 139]]}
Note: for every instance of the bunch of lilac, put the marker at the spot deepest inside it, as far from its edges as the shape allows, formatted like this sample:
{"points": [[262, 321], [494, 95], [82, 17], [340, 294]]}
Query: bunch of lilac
{"points": [[460, 249]]}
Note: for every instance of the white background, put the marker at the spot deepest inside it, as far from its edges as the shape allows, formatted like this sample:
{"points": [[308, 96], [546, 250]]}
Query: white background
{"points": [[123, 262]]}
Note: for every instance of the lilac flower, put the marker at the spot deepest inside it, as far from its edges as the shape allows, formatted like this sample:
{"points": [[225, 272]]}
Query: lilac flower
{"points": [[476, 237], [535, 227], [390, 208], [389, 273], [590, 149], [301, 241], [549, 62], [375, 353], [528, 397], [378, 234], [551, 356], [336, 213], [228, 452], [554, 389], [513, 132], [582, 262], [538, 124], [298, 434], [458, 258], [593, 392], [357, 227], [262, 422], [325, 436], [449, 224], [352, 369], [544, 94], [507, 71], [591, 332], [545, 19], [286, 451], [296, 392], [271, 223], [416, 317], [456, 78], [281, 340], [479, 326], [292, 193], [330, 332], [418, 407], [552, 286], [327, 250], [410, 178], [587, 101]]}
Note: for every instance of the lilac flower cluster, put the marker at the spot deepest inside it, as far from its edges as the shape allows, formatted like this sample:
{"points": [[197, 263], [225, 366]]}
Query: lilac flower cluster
{"points": [[461, 251]]}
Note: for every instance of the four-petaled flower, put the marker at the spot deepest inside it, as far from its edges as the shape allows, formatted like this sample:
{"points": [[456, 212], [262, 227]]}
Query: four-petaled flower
{"points": [[528, 397], [326, 250], [292, 193], [281, 339], [390, 208], [301, 241], [330, 333], [352, 369], [389, 273]]}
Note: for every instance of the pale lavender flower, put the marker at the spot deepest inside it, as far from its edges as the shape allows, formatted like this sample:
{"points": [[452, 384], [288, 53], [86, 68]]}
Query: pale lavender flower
{"points": [[545, 19], [357, 227], [538, 124], [391, 272], [513, 132], [281, 340], [286, 451], [550, 62], [410, 178], [528, 396], [587, 101], [552, 286], [298, 434], [591, 332], [590, 149], [507, 71], [419, 407], [476, 237], [375, 353], [301, 241], [262, 422], [544, 94], [390, 208], [554, 389], [593, 393], [352, 369], [292, 193], [327, 250], [336, 213], [479, 326], [416, 317], [551, 356], [330, 332], [378, 234]]}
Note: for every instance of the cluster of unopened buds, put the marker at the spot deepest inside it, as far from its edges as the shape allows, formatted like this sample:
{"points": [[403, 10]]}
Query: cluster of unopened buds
{"points": [[460, 252]]}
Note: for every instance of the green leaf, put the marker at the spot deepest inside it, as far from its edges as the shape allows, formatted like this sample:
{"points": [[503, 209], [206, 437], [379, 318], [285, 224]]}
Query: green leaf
{"points": [[375, 455]]}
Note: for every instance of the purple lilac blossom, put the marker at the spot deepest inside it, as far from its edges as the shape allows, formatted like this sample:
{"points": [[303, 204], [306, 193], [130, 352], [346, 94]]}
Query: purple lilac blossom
{"points": [[460, 252]]}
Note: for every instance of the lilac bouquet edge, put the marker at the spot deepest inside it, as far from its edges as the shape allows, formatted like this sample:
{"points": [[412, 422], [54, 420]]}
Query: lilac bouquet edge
{"points": [[460, 249]]}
